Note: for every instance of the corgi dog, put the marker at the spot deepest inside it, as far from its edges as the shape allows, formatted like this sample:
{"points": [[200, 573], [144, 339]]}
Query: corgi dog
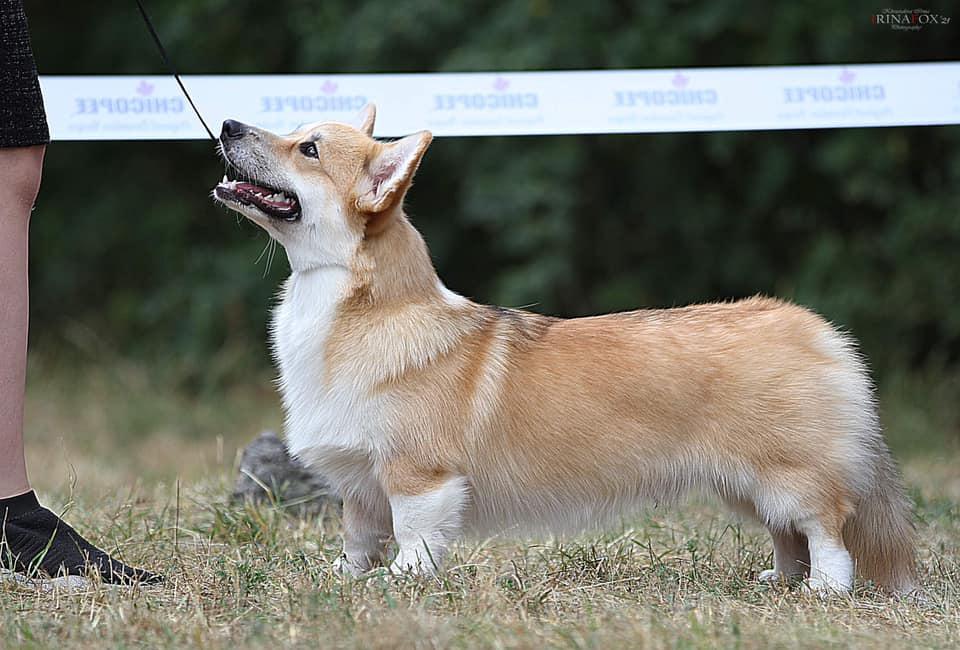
{"points": [[435, 416]]}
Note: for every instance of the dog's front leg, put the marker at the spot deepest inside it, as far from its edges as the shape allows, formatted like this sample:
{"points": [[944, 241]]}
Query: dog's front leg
{"points": [[426, 521], [366, 533]]}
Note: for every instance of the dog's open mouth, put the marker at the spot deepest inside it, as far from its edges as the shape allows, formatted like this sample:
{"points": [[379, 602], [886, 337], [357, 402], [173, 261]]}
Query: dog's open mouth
{"points": [[275, 203]]}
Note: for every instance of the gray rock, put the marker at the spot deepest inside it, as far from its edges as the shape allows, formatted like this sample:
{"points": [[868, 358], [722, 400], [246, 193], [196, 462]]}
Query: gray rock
{"points": [[266, 463]]}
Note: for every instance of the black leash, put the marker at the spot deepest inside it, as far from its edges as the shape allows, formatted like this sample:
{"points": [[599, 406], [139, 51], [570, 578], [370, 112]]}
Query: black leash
{"points": [[173, 69]]}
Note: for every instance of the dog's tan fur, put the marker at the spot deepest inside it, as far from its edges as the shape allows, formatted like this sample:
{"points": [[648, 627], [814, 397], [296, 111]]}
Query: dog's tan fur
{"points": [[481, 418]]}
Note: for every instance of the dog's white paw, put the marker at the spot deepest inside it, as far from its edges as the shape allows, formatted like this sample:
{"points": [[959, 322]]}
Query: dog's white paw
{"points": [[411, 564], [824, 587], [770, 575]]}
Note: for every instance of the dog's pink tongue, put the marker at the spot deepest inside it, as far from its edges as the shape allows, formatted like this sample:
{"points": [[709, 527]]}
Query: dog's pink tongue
{"points": [[263, 195], [250, 187]]}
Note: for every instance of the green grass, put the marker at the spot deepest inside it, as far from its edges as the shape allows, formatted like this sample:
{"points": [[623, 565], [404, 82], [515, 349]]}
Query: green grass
{"points": [[146, 472]]}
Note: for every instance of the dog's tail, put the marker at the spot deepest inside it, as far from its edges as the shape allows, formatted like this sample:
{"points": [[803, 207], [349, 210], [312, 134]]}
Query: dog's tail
{"points": [[881, 535]]}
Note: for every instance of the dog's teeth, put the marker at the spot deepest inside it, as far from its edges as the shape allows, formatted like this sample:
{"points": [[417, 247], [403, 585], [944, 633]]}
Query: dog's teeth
{"points": [[224, 179]]}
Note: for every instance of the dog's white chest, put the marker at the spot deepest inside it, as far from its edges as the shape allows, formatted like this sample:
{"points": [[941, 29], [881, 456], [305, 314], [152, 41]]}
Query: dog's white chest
{"points": [[325, 417]]}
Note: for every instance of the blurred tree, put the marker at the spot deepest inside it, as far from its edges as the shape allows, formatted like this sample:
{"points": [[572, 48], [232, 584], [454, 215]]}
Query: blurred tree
{"points": [[862, 225]]}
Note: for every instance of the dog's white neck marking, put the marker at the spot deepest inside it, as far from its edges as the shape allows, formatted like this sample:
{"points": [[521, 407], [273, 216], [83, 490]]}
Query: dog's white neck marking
{"points": [[300, 329]]}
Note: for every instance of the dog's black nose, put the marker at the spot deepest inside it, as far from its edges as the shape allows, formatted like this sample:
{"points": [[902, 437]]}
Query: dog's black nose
{"points": [[233, 129]]}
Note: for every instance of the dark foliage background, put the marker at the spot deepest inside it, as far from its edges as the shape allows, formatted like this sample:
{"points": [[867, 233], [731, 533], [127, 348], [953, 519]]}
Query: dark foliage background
{"points": [[862, 225]]}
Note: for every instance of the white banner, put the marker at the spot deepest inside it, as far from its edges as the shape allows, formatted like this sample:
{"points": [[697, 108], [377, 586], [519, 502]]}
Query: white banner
{"points": [[513, 103]]}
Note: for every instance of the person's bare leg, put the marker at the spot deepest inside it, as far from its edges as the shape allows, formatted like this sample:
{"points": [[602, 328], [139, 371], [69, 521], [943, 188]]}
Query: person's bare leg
{"points": [[20, 170], [31, 537]]}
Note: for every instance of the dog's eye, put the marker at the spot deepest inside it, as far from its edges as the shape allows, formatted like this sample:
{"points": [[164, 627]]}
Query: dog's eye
{"points": [[309, 149]]}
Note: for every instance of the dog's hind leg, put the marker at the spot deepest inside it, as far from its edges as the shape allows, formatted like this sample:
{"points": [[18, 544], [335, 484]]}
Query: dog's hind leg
{"points": [[804, 510], [426, 523], [791, 557], [831, 567]]}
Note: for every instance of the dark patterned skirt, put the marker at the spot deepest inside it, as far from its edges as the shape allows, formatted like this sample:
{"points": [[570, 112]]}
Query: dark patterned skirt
{"points": [[22, 120]]}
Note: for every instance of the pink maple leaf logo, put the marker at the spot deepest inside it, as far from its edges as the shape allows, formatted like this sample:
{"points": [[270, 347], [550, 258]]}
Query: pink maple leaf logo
{"points": [[846, 76], [145, 88], [500, 84], [328, 87], [680, 80]]}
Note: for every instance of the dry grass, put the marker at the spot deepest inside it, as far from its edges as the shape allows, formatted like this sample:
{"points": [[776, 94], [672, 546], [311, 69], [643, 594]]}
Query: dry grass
{"points": [[248, 577]]}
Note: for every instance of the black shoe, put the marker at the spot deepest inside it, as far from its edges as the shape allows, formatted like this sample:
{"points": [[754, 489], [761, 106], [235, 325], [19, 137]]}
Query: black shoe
{"points": [[37, 543]]}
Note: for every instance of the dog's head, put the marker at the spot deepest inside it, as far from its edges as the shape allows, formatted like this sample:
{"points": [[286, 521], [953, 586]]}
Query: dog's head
{"points": [[320, 190]]}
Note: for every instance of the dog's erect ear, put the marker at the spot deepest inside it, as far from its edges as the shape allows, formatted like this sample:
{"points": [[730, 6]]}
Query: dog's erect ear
{"points": [[365, 118], [389, 173]]}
